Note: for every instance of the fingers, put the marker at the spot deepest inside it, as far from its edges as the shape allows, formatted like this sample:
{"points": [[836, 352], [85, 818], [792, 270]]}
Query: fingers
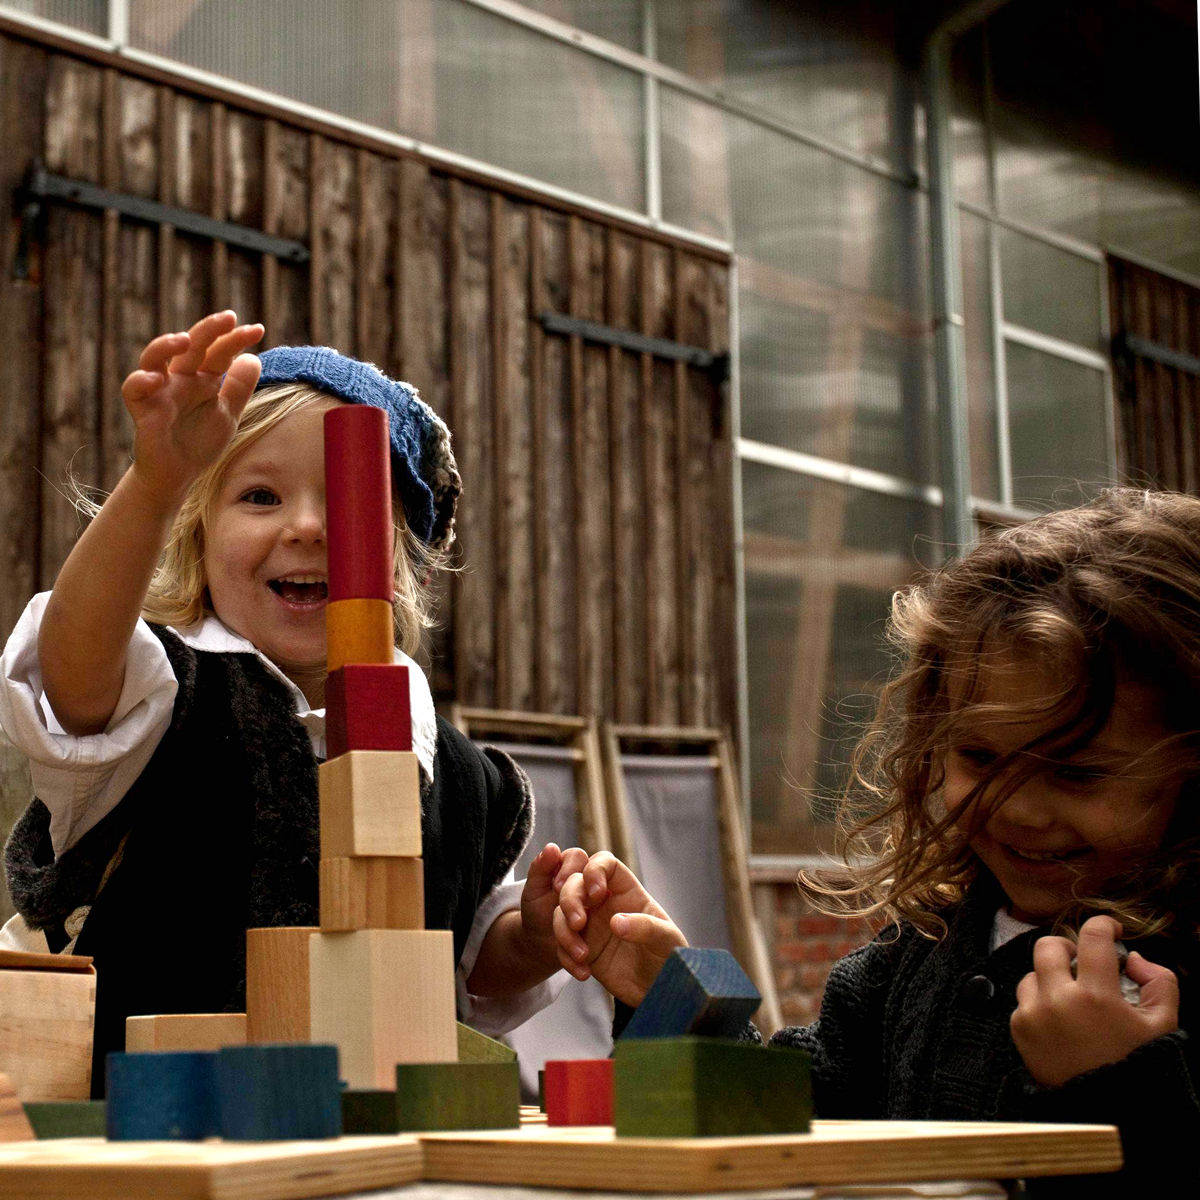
{"points": [[1097, 961], [240, 381], [1160, 987], [158, 354], [226, 348], [571, 902], [599, 876], [572, 949], [1052, 962], [200, 337], [658, 936], [573, 861]]}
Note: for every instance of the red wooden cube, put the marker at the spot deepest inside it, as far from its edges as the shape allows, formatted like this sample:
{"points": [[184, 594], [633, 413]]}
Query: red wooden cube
{"points": [[367, 708], [579, 1091]]}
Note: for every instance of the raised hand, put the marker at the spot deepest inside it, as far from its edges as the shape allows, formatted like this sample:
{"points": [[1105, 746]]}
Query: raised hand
{"points": [[610, 927], [185, 399], [539, 897], [1067, 1024]]}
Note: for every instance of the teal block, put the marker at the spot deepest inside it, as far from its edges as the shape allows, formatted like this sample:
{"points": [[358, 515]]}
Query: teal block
{"points": [[433, 1096], [369, 1110], [698, 991], [703, 1087], [66, 1118]]}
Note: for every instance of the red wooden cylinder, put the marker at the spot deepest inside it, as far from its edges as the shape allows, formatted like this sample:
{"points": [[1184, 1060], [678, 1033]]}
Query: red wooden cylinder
{"points": [[358, 503]]}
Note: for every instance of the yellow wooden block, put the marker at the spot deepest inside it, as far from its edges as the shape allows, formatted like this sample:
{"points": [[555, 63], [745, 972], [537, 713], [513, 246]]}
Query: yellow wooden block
{"points": [[358, 631], [185, 1031], [371, 804], [372, 893], [47, 1013], [277, 984], [383, 996]]}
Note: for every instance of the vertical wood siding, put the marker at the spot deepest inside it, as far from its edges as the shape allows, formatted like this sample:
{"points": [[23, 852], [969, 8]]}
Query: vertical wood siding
{"points": [[596, 543]]}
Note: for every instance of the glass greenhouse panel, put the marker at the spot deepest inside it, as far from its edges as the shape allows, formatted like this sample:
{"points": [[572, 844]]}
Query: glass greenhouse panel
{"points": [[981, 358], [1050, 290], [89, 15]]}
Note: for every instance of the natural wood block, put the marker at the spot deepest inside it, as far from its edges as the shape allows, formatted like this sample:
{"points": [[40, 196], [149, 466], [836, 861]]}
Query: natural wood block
{"points": [[372, 893], [698, 991], [185, 1031], [358, 502], [383, 996], [278, 1093], [452, 1095], [474, 1046], [14, 1123], [701, 1087], [277, 984], [47, 1014], [371, 804], [66, 1118], [832, 1152], [578, 1091], [161, 1097], [358, 631], [368, 707]]}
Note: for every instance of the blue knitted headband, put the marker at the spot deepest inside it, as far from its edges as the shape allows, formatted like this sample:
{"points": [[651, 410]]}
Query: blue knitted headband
{"points": [[423, 467]]}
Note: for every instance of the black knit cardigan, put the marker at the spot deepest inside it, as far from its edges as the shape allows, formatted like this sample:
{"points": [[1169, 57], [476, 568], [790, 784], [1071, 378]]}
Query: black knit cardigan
{"points": [[220, 833], [913, 1029]]}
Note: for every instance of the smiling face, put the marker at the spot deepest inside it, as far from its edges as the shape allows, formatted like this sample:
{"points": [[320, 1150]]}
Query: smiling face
{"points": [[266, 559], [1078, 820]]}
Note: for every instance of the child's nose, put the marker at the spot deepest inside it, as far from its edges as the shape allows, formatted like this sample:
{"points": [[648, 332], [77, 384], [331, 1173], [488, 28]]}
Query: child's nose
{"points": [[307, 524], [1031, 806]]}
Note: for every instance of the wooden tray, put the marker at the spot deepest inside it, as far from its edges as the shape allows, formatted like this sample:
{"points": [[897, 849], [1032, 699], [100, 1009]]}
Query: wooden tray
{"points": [[835, 1152], [93, 1169]]}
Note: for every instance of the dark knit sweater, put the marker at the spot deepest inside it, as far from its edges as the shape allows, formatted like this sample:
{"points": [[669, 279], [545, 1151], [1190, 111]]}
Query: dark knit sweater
{"points": [[919, 1030], [220, 833]]}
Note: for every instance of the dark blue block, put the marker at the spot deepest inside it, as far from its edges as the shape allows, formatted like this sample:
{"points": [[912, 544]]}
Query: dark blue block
{"points": [[698, 992], [159, 1096], [278, 1093]]}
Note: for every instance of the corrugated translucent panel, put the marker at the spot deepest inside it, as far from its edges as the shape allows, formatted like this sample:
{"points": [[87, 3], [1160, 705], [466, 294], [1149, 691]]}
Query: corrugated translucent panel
{"points": [[833, 70], [88, 15], [439, 70], [981, 364], [617, 21], [1050, 290], [696, 163], [822, 562], [1058, 422]]}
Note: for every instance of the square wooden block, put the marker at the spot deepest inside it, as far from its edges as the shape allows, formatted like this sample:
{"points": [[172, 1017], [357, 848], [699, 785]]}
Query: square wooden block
{"points": [[367, 707], [371, 804], [185, 1031], [47, 1015], [372, 893], [383, 996], [277, 983], [578, 1091]]}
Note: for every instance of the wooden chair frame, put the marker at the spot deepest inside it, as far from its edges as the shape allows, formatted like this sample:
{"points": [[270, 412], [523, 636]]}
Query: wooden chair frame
{"points": [[748, 945], [577, 735]]}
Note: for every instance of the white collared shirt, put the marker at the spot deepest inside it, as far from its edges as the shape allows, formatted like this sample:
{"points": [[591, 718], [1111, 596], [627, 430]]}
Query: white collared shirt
{"points": [[81, 779]]}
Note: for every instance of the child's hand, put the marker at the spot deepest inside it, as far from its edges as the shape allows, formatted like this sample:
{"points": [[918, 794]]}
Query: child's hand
{"points": [[610, 927], [1067, 1025], [185, 413], [539, 897]]}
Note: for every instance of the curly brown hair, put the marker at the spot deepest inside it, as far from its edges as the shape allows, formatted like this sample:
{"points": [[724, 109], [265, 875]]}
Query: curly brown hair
{"points": [[1105, 592]]}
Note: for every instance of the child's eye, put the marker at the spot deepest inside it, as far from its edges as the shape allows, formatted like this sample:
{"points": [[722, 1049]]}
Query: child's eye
{"points": [[1079, 775], [260, 496], [976, 756]]}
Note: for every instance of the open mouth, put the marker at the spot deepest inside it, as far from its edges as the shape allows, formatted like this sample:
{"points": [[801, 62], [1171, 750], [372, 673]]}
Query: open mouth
{"points": [[301, 589], [1042, 858]]}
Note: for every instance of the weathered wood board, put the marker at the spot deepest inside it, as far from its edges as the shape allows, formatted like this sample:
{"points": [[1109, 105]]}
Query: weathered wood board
{"points": [[93, 1169], [835, 1152]]}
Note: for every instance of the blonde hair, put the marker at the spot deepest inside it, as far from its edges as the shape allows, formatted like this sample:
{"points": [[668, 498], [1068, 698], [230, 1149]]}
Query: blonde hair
{"points": [[178, 593], [1104, 592]]}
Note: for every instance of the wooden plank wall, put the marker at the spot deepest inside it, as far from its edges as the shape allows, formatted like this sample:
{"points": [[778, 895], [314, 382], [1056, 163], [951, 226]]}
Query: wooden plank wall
{"points": [[596, 526], [1158, 406]]}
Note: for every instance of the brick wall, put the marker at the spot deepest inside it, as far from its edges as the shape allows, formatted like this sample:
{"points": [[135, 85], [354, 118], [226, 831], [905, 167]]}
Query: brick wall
{"points": [[803, 946]]}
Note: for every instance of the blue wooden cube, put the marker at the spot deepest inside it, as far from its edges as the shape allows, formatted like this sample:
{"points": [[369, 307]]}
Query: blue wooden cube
{"points": [[700, 992], [157, 1096], [273, 1093]]}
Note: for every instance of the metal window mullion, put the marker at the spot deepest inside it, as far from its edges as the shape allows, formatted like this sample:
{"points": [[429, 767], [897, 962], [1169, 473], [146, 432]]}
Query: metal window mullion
{"points": [[1000, 366], [651, 116], [1055, 347], [1059, 241], [1110, 395], [118, 23]]}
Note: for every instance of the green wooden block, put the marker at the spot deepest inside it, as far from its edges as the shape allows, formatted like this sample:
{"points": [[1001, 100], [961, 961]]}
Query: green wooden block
{"points": [[703, 1087], [66, 1118], [475, 1047], [432, 1096], [369, 1110]]}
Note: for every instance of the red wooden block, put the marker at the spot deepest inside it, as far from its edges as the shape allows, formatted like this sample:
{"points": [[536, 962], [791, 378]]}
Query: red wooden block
{"points": [[367, 708], [358, 503], [579, 1091]]}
